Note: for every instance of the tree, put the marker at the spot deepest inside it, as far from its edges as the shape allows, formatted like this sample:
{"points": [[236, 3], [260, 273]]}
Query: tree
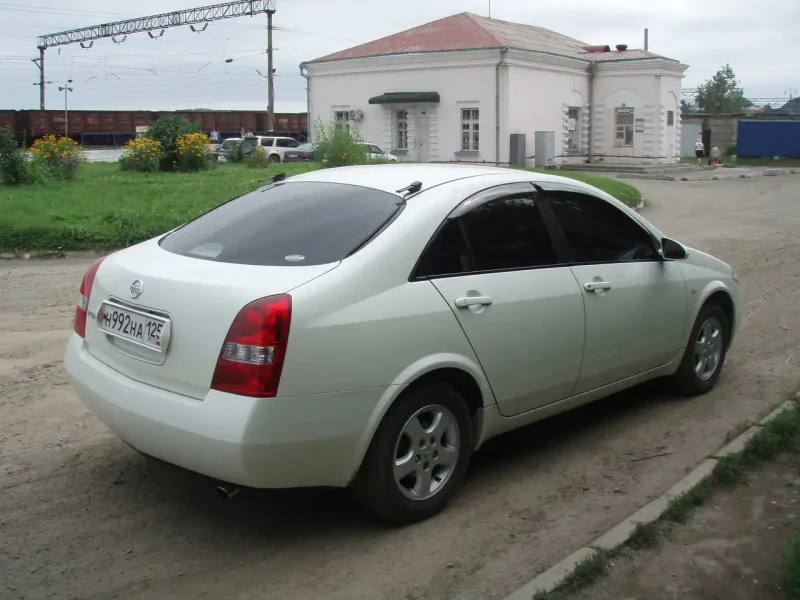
{"points": [[721, 94]]}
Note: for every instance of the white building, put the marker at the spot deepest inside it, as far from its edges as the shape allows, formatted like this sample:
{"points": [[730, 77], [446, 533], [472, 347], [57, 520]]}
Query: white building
{"points": [[457, 88]]}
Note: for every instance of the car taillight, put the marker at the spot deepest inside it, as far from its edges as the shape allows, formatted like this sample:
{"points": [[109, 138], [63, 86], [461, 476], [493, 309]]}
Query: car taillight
{"points": [[83, 297], [252, 355], [302, 156]]}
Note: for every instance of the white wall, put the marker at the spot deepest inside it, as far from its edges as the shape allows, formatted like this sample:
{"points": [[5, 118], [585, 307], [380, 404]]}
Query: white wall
{"points": [[538, 100], [672, 135], [466, 83], [536, 93], [651, 95]]}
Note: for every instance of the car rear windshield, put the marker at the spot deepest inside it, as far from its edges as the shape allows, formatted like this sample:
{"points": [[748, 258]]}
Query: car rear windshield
{"points": [[287, 224]]}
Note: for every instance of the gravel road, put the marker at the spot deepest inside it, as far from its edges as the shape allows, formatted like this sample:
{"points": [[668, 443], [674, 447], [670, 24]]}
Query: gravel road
{"points": [[84, 516]]}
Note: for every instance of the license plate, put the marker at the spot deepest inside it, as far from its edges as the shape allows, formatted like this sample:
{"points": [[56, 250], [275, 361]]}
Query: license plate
{"points": [[291, 155], [135, 326]]}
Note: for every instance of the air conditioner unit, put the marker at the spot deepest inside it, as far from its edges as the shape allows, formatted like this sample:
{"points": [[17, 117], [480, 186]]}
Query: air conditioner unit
{"points": [[356, 115]]}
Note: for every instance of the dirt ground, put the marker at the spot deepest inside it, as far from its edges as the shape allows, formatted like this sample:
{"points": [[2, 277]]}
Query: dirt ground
{"points": [[84, 516], [733, 548]]}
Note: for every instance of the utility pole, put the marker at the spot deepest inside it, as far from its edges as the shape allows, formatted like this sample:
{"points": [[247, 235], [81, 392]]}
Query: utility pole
{"points": [[39, 62], [270, 77], [66, 89]]}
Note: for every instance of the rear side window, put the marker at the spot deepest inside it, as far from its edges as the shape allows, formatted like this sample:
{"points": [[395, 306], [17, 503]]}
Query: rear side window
{"points": [[506, 233], [288, 224]]}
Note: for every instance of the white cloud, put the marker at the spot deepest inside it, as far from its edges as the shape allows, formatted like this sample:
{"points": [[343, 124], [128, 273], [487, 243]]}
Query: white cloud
{"points": [[759, 44]]}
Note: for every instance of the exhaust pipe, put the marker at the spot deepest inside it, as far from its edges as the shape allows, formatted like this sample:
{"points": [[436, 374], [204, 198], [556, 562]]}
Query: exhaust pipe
{"points": [[226, 491]]}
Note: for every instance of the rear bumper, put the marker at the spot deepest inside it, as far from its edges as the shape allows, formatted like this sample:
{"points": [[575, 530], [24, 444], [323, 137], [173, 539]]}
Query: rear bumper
{"points": [[254, 442]]}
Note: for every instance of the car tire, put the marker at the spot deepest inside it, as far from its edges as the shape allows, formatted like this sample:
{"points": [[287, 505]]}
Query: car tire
{"points": [[705, 353], [431, 428], [274, 159]]}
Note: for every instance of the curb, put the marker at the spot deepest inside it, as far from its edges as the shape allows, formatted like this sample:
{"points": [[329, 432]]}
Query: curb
{"points": [[553, 577], [52, 254]]}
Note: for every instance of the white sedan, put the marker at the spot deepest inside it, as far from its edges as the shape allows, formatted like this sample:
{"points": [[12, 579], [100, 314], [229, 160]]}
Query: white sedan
{"points": [[372, 326]]}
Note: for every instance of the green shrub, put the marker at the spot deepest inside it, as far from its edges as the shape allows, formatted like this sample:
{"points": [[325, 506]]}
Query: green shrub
{"points": [[56, 157], [237, 154], [167, 130], [257, 158], [339, 146], [14, 168], [141, 154], [193, 152]]}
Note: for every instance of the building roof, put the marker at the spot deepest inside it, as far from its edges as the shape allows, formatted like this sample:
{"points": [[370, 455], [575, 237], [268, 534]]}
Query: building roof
{"points": [[466, 31]]}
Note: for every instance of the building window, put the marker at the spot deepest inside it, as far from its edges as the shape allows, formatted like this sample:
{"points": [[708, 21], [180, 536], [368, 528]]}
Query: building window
{"points": [[670, 117], [470, 132], [624, 122], [573, 130], [401, 131], [342, 119]]}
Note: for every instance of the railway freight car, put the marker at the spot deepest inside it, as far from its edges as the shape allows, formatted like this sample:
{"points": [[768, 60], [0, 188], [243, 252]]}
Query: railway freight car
{"points": [[113, 128]]}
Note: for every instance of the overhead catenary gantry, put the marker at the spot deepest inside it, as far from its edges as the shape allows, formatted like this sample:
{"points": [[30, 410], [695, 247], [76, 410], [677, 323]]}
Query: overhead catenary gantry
{"points": [[180, 18]]}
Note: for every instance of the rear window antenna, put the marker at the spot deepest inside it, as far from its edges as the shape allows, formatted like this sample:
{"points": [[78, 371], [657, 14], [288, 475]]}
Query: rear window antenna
{"points": [[411, 189]]}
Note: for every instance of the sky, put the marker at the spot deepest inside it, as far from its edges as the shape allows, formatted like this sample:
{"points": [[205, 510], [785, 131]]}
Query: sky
{"points": [[183, 69]]}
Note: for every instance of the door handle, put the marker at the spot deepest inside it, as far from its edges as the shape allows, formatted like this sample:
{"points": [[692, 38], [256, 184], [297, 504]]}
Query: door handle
{"points": [[596, 286], [472, 301]]}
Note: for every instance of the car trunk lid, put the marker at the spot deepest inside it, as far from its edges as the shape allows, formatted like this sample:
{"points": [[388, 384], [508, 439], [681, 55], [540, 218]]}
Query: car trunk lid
{"points": [[161, 318]]}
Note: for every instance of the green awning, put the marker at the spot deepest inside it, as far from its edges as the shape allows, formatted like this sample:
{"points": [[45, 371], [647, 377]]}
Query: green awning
{"points": [[405, 98]]}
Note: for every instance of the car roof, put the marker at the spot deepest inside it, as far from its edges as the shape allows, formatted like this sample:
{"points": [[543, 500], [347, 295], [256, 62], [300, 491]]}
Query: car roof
{"points": [[393, 177]]}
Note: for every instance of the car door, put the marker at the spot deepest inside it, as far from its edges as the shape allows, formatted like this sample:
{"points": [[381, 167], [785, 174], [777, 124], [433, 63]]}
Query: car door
{"points": [[636, 303], [521, 309]]}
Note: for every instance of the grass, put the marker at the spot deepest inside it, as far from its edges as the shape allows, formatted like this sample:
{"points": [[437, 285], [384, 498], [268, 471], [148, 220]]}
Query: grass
{"points": [[105, 208], [780, 434]]}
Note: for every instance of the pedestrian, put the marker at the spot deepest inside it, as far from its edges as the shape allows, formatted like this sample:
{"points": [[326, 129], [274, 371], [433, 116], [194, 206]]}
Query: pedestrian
{"points": [[699, 150], [715, 155], [214, 136]]}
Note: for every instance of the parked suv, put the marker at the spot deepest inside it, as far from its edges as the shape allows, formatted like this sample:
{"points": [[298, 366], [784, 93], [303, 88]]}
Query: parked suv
{"points": [[274, 146]]}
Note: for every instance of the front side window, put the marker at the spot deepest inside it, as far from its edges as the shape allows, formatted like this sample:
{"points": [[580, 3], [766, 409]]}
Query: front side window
{"points": [[507, 233], [624, 122], [401, 121], [597, 232], [470, 130], [288, 224]]}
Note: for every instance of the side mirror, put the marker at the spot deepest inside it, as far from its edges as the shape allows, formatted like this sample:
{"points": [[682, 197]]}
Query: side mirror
{"points": [[672, 250]]}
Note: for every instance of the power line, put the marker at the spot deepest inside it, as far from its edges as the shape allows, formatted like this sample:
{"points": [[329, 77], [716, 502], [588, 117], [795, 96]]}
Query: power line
{"points": [[194, 16]]}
